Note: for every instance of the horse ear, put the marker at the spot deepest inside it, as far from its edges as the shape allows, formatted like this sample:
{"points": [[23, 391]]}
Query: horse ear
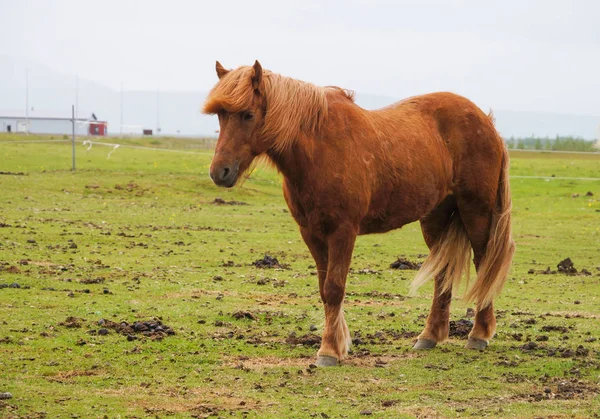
{"points": [[257, 76], [221, 71]]}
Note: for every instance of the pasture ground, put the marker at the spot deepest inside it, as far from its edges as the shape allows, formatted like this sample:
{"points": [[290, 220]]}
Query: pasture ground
{"points": [[140, 238]]}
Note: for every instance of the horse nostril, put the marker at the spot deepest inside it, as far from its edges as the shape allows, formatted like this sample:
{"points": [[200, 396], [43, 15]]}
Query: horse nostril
{"points": [[225, 173]]}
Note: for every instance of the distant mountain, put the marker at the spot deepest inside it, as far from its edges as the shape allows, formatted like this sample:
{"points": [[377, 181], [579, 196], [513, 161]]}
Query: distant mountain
{"points": [[52, 93]]}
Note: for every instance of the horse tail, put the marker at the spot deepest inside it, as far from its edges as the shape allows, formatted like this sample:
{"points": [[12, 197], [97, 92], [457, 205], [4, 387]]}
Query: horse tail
{"points": [[450, 256], [494, 266]]}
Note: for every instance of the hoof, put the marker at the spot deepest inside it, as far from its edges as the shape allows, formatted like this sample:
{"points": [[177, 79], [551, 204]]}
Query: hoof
{"points": [[425, 344], [327, 361], [476, 343]]}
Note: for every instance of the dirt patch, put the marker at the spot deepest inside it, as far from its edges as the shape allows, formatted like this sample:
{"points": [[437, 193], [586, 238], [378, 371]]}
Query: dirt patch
{"points": [[92, 281], [10, 269], [153, 329], [220, 201], [269, 262], [565, 267], [130, 187], [239, 315], [566, 389], [358, 360], [63, 376], [460, 328], [578, 352], [552, 328], [217, 402], [309, 339], [277, 283], [13, 285], [253, 363], [405, 264], [382, 337], [365, 271], [384, 295], [72, 322], [13, 173]]}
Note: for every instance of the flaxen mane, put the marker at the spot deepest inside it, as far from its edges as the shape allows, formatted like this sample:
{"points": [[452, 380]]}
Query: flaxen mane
{"points": [[293, 107]]}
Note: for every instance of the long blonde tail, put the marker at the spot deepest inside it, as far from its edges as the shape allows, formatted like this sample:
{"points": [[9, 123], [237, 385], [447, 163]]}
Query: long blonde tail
{"points": [[494, 266], [452, 253]]}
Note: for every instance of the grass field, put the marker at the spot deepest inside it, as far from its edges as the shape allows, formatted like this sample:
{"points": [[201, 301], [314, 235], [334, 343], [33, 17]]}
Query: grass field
{"points": [[138, 237]]}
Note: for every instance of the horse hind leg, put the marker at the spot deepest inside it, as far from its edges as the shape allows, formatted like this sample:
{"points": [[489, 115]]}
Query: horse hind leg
{"points": [[477, 224], [449, 258], [485, 212]]}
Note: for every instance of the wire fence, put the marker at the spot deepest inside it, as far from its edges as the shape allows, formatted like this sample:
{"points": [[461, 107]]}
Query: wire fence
{"points": [[207, 144]]}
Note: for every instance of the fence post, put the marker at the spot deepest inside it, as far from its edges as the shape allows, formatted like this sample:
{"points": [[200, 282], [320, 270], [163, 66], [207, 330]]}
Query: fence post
{"points": [[73, 121]]}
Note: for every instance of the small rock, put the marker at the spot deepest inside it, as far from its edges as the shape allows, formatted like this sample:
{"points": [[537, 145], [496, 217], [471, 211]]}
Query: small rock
{"points": [[589, 193], [103, 332], [313, 328], [14, 285], [72, 246], [5, 396], [366, 412]]}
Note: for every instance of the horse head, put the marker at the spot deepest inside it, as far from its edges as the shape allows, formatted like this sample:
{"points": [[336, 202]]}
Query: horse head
{"points": [[239, 101]]}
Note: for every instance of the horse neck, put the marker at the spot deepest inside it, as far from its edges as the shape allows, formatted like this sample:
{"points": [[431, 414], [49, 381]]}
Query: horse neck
{"points": [[295, 161]]}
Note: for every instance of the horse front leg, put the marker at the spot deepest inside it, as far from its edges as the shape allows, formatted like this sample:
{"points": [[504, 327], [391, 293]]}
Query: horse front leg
{"points": [[336, 336], [319, 251]]}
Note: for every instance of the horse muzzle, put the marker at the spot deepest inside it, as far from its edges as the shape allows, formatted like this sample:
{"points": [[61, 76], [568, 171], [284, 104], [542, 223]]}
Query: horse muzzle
{"points": [[225, 175]]}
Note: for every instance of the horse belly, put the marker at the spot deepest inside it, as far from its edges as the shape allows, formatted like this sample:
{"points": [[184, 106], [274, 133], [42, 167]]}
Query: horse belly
{"points": [[401, 207]]}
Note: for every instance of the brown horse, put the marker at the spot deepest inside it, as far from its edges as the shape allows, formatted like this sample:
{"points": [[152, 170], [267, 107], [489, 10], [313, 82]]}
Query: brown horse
{"points": [[435, 158]]}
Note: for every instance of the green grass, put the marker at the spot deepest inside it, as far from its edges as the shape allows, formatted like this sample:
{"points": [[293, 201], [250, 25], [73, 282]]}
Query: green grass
{"points": [[144, 222]]}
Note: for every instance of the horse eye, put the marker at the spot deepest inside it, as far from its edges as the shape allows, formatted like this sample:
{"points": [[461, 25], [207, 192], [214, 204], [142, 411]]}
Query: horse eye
{"points": [[247, 116]]}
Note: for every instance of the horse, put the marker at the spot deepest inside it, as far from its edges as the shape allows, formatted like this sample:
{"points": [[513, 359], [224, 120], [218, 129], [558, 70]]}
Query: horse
{"points": [[435, 158]]}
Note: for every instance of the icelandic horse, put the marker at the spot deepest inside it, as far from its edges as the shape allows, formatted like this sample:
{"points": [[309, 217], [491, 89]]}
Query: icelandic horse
{"points": [[435, 158]]}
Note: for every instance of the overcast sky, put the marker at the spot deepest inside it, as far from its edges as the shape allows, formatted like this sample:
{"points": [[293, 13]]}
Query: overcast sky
{"points": [[517, 55]]}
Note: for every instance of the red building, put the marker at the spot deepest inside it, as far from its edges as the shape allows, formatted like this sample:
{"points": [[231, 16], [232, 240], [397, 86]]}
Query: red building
{"points": [[98, 128]]}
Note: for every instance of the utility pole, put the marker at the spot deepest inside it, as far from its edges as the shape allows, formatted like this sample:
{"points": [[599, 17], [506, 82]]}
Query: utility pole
{"points": [[157, 111], [73, 142], [76, 96], [27, 100], [121, 108]]}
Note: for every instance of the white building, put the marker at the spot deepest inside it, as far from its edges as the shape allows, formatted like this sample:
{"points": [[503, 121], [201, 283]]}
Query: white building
{"points": [[49, 125]]}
